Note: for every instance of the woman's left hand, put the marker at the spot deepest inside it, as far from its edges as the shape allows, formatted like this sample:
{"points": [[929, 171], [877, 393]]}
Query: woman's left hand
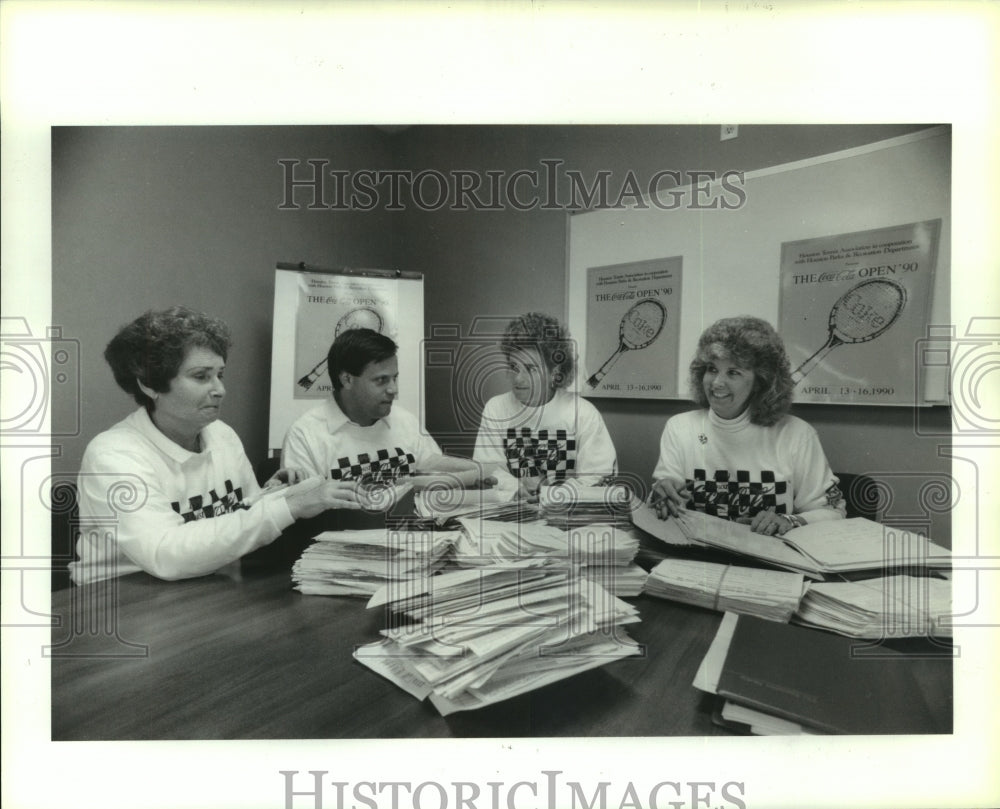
{"points": [[289, 476], [770, 522]]}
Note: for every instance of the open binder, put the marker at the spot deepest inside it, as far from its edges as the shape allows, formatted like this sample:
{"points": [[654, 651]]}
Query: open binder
{"points": [[817, 549]]}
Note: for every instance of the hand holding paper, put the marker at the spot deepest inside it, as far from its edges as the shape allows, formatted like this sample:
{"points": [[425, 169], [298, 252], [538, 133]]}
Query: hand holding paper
{"points": [[316, 495], [668, 499]]}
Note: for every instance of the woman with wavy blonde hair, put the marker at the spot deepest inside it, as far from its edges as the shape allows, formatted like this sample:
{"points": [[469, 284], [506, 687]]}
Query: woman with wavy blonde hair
{"points": [[742, 456]]}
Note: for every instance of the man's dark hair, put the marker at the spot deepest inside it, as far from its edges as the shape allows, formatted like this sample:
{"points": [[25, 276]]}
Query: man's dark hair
{"points": [[354, 349]]}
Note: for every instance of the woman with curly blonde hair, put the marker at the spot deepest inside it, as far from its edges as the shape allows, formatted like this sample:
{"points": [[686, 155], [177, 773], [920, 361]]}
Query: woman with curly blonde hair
{"points": [[539, 430], [742, 456]]}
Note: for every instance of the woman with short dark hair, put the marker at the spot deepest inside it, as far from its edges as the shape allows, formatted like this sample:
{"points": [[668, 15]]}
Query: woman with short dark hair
{"points": [[169, 489], [742, 456], [148, 352]]}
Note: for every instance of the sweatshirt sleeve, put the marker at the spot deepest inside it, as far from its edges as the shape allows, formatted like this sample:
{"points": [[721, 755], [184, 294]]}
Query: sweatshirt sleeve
{"points": [[670, 464], [489, 445], [427, 452], [303, 451], [596, 457], [127, 489], [817, 495]]}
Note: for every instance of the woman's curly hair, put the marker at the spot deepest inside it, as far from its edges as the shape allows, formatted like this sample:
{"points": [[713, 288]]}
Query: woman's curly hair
{"points": [[750, 343], [152, 347], [549, 337]]}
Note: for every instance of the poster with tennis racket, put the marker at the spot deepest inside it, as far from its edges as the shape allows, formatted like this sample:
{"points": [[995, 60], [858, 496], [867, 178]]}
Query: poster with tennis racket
{"points": [[633, 320], [853, 308], [327, 306], [314, 304]]}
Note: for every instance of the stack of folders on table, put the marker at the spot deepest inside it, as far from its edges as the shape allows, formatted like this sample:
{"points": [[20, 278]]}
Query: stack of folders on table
{"points": [[624, 581], [446, 496], [359, 563], [571, 504], [603, 552], [770, 594], [491, 504], [778, 678], [883, 607], [485, 635]]}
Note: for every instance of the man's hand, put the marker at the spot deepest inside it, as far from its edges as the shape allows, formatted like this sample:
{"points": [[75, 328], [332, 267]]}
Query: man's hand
{"points": [[316, 495]]}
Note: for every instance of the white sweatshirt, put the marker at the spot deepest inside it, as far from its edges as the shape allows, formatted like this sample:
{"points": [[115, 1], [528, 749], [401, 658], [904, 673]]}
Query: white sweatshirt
{"points": [[564, 438], [146, 503], [735, 468], [325, 442]]}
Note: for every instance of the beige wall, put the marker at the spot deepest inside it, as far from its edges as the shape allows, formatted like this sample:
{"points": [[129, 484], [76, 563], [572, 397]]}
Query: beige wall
{"points": [[148, 217], [499, 264], [145, 218]]}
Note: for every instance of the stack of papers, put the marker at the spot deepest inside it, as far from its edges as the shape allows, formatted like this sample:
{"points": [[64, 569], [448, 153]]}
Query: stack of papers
{"points": [[485, 635], [624, 581], [492, 493], [359, 563], [570, 504], [603, 552], [883, 607], [608, 553], [492, 504], [485, 542], [770, 594]]}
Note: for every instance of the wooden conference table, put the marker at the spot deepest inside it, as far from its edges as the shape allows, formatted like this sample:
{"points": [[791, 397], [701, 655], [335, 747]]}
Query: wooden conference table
{"points": [[216, 658]]}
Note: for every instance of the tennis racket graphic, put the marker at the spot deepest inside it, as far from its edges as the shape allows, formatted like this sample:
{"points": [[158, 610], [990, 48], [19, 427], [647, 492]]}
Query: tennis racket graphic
{"points": [[861, 314], [640, 326], [362, 318]]}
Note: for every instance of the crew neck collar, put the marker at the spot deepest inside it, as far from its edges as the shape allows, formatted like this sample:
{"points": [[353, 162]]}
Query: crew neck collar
{"points": [[741, 422]]}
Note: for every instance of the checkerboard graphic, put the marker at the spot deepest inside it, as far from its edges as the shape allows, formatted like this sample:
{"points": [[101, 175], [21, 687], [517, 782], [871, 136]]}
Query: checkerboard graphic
{"points": [[382, 465], [731, 496], [547, 453], [203, 507]]}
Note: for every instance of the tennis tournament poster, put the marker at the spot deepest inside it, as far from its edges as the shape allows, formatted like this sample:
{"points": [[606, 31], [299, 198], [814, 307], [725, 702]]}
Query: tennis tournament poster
{"points": [[633, 322], [328, 305], [853, 308]]}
